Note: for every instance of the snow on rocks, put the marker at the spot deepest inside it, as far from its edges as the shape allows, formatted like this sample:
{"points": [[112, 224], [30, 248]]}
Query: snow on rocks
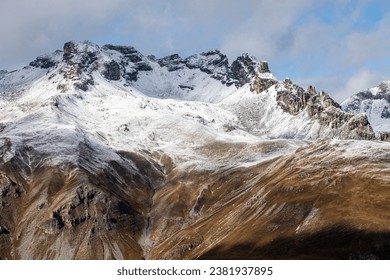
{"points": [[117, 99]]}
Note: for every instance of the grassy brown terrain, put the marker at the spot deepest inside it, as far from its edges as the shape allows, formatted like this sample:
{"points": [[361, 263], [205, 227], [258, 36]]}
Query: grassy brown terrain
{"points": [[326, 200]]}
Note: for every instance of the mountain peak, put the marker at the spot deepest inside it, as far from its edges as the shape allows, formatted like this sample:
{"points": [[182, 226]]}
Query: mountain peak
{"points": [[110, 154], [204, 77], [375, 104], [125, 64]]}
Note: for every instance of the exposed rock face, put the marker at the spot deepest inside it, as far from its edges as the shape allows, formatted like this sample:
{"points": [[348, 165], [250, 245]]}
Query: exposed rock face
{"points": [[72, 205], [4, 230], [357, 127], [385, 113], [70, 48], [260, 84], [374, 103], [263, 68], [83, 209], [246, 69], [9, 191], [294, 99], [321, 107], [384, 136], [381, 92], [292, 200], [112, 71], [172, 62], [2, 73], [128, 51], [79, 63], [43, 62], [286, 208], [81, 60], [11, 196], [189, 158], [130, 64], [243, 70], [212, 62]]}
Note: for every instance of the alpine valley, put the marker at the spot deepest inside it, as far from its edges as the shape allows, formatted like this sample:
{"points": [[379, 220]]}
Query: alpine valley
{"points": [[109, 154]]}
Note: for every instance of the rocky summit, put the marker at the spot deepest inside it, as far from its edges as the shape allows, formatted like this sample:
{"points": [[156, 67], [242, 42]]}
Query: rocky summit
{"points": [[110, 154]]}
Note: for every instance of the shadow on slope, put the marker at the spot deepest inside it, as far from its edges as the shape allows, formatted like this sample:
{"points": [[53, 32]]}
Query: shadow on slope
{"points": [[335, 243]]}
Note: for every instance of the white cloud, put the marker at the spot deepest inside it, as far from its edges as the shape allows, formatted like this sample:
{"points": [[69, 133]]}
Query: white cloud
{"points": [[341, 87], [289, 34], [314, 51], [267, 30], [361, 80], [362, 47], [33, 28]]}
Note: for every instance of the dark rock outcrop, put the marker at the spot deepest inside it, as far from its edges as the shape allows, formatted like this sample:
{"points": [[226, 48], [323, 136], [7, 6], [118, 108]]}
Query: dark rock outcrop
{"points": [[112, 71], [143, 66], [3, 73], [81, 209], [4, 230], [9, 191], [186, 87], [246, 69], [243, 70], [43, 62], [80, 62], [294, 100], [126, 50], [70, 49], [130, 54], [383, 93], [130, 64], [384, 136], [375, 104], [84, 83], [173, 62], [212, 62], [131, 76], [385, 113]]}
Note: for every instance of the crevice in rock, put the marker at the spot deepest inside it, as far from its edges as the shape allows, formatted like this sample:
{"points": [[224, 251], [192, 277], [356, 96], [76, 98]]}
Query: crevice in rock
{"points": [[145, 241]]}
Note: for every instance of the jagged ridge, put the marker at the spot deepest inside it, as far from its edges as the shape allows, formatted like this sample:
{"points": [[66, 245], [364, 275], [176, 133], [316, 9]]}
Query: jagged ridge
{"points": [[127, 66], [112, 154], [375, 104]]}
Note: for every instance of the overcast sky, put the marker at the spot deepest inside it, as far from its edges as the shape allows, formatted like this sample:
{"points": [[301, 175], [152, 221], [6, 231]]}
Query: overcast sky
{"points": [[339, 46]]}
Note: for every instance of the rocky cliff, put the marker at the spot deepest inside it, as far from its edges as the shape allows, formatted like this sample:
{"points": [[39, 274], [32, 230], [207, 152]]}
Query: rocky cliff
{"points": [[375, 104], [109, 154]]}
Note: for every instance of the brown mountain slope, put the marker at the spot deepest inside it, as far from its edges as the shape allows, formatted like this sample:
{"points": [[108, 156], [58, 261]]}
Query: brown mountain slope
{"points": [[69, 212], [322, 201], [326, 200]]}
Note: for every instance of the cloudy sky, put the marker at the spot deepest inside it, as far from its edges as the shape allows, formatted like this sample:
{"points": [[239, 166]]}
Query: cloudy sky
{"points": [[340, 46]]}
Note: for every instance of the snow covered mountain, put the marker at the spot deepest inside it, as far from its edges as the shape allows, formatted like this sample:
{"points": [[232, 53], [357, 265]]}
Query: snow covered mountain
{"points": [[375, 103], [107, 153]]}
